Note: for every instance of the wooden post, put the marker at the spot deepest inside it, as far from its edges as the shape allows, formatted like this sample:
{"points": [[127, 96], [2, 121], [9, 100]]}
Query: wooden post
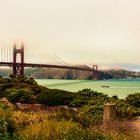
{"points": [[109, 113]]}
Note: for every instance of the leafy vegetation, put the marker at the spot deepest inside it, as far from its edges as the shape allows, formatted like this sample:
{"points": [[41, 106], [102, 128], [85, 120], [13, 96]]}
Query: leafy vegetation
{"points": [[86, 123], [134, 100], [18, 125]]}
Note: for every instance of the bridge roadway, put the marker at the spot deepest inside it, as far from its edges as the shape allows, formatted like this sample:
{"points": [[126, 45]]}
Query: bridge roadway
{"points": [[10, 64]]}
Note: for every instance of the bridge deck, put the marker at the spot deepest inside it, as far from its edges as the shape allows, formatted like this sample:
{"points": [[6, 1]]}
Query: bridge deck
{"points": [[10, 64]]}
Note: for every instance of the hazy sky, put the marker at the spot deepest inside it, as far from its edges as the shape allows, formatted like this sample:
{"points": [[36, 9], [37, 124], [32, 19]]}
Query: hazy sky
{"points": [[103, 32]]}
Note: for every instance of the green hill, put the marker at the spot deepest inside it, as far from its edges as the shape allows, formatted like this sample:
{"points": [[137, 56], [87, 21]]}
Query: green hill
{"points": [[53, 73]]}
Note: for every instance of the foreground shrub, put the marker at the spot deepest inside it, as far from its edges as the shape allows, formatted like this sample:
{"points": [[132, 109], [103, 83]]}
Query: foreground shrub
{"points": [[18, 95], [91, 93], [78, 102], [6, 129], [91, 115], [125, 110], [55, 97], [134, 99]]}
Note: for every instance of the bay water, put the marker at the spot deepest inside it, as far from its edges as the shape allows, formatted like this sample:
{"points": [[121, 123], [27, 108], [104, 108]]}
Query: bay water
{"points": [[121, 87]]}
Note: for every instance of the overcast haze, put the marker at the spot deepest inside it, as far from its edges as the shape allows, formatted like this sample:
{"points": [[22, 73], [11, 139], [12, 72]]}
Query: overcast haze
{"points": [[103, 32]]}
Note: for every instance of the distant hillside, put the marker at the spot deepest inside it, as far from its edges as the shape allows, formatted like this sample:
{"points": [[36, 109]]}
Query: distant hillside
{"points": [[59, 74], [117, 74], [72, 74]]}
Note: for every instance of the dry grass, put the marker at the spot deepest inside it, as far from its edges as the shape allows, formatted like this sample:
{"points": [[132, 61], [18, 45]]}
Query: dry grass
{"points": [[21, 119], [38, 126], [118, 130], [48, 130]]}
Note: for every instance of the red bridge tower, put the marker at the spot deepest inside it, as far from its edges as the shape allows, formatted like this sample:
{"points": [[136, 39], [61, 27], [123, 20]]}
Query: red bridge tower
{"points": [[18, 67], [95, 72]]}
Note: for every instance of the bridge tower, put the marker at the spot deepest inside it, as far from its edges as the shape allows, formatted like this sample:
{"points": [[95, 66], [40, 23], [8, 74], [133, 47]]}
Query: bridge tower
{"points": [[95, 72], [18, 67]]}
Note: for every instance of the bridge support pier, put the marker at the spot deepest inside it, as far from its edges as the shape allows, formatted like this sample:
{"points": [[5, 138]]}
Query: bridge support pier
{"points": [[18, 67]]}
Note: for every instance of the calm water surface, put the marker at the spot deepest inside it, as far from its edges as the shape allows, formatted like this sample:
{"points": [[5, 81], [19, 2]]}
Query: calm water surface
{"points": [[121, 87]]}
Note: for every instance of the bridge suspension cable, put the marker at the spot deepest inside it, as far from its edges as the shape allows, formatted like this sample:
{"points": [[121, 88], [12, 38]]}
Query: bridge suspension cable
{"points": [[53, 58], [5, 55], [63, 62]]}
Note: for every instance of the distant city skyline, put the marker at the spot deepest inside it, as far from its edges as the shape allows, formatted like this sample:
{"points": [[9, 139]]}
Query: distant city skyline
{"points": [[106, 33]]}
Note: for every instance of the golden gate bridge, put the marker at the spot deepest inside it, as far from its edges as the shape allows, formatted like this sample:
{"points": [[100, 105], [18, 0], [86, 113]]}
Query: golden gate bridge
{"points": [[18, 65]]}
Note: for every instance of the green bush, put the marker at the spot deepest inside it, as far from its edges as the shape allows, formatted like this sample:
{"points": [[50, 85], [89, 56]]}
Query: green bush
{"points": [[93, 94], [125, 110], [55, 97], [91, 115], [6, 129], [133, 99], [78, 102], [19, 95]]}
